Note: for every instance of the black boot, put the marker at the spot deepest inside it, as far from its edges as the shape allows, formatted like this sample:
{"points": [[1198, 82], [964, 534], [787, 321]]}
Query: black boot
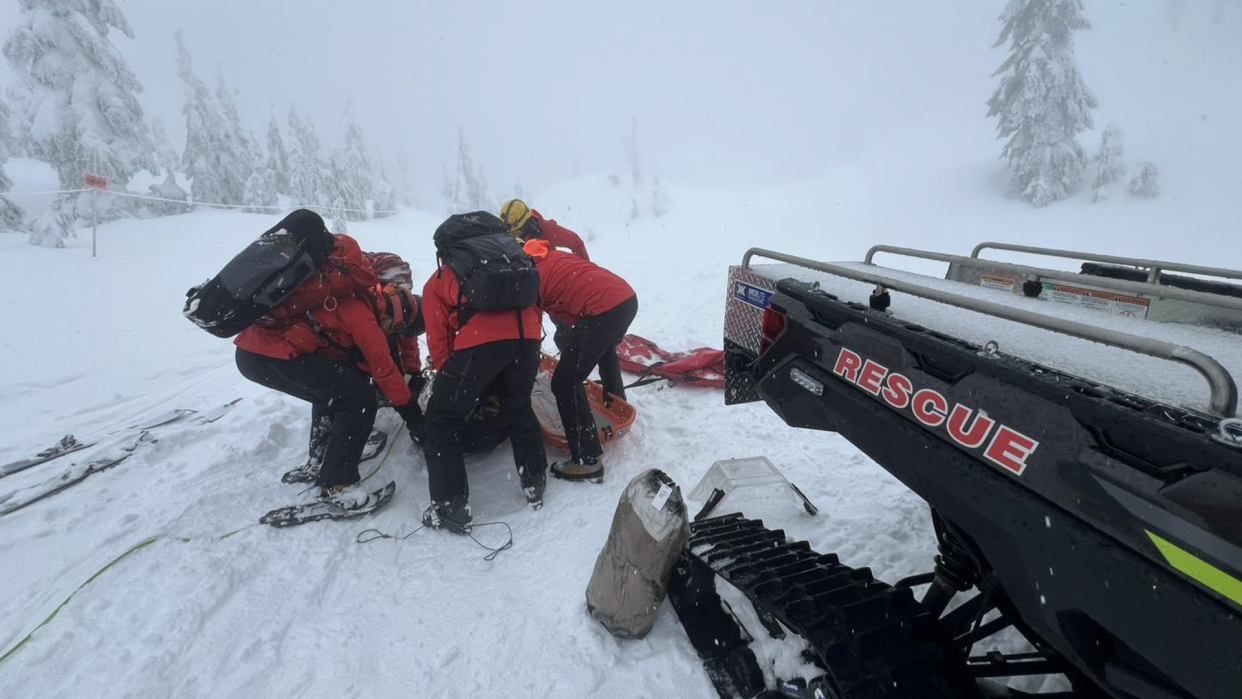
{"points": [[453, 515], [533, 488]]}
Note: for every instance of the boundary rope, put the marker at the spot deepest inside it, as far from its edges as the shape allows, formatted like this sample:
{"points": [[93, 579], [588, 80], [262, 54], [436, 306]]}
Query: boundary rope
{"points": [[191, 203]]}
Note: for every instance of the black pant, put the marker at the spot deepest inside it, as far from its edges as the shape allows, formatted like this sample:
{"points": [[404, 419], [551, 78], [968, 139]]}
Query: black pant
{"points": [[458, 385], [592, 342], [340, 395]]}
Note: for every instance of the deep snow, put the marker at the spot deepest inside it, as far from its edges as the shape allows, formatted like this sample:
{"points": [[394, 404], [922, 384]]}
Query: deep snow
{"points": [[309, 612], [90, 345]]}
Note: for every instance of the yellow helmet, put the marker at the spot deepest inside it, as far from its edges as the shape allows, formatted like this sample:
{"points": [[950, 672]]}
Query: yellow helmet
{"points": [[515, 213]]}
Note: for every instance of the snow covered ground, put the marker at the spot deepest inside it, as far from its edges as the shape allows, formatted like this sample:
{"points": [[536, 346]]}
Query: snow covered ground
{"points": [[100, 344], [93, 345]]}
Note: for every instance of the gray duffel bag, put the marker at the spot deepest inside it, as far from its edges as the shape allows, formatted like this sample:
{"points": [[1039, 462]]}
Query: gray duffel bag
{"points": [[649, 530]]}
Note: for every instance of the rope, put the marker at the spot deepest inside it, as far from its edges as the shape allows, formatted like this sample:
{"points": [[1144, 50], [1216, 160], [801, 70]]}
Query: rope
{"points": [[391, 443], [366, 536], [125, 554], [185, 202]]}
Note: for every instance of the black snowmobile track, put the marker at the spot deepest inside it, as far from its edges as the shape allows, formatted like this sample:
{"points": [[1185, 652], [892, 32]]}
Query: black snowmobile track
{"points": [[872, 640]]}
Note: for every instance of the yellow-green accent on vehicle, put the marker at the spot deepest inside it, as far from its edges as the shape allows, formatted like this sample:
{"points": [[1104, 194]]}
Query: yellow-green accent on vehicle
{"points": [[1200, 570]]}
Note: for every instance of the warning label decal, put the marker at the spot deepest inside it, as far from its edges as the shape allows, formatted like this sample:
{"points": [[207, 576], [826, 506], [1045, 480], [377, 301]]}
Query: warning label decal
{"points": [[1116, 304]]}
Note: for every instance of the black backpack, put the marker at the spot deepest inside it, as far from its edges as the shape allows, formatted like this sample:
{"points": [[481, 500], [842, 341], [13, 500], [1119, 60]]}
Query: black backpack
{"points": [[262, 276], [493, 272]]}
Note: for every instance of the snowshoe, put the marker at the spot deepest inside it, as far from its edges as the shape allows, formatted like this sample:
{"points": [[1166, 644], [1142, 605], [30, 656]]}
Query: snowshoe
{"points": [[589, 469], [347, 503], [453, 515]]}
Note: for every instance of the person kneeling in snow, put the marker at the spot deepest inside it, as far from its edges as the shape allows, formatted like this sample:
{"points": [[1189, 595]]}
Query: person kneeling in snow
{"points": [[596, 308], [328, 358]]}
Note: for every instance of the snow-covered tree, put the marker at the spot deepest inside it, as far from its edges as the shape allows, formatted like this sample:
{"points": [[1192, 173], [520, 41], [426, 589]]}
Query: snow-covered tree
{"points": [[659, 200], [165, 155], [11, 215], [339, 219], [277, 156], [54, 227], [630, 144], [450, 190], [407, 180], [1042, 103], [212, 161], [385, 197], [261, 192], [1108, 162], [240, 146], [80, 103], [1145, 182], [471, 186], [353, 170], [168, 189], [310, 175]]}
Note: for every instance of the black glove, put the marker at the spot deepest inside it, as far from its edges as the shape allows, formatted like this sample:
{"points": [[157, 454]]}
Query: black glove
{"points": [[413, 417]]}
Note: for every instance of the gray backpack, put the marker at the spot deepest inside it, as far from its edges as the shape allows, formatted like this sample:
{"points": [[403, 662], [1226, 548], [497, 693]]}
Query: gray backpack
{"points": [[649, 530]]}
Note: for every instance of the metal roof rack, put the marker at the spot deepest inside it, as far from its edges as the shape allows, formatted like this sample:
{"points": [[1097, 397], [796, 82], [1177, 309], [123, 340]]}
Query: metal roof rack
{"points": [[1154, 267], [1223, 392], [1148, 288]]}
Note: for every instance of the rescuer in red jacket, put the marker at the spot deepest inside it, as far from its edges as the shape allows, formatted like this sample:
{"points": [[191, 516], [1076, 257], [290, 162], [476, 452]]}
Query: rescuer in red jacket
{"points": [[497, 347], [328, 356], [596, 307], [528, 224]]}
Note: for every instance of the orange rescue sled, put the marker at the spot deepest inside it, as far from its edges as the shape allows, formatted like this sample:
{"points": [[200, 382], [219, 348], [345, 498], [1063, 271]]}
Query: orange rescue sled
{"points": [[612, 421]]}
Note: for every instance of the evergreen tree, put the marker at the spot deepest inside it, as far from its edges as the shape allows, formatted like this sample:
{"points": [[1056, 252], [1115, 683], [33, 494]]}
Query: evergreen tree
{"points": [[12, 218], [54, 227], [1145, 182], [242, 150], [385, 201], [80, 104], [310, 175], [471, 189], [210, 160], [450, 190], [1042, 103], [165, 155], [277, 156], [355, 179], [339, 219], [407, 181], [659, 200], [1108, 162], [260, 192]]}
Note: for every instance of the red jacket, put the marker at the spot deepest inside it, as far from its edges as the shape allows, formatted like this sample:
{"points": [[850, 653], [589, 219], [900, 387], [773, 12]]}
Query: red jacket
{"points": [[571, 289], [446, 335], [347, 272], [559, 236], [351, 323]]}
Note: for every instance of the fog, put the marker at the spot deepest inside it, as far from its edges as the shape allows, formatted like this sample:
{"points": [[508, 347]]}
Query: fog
{"points": [[738, 91], [732, 92]]}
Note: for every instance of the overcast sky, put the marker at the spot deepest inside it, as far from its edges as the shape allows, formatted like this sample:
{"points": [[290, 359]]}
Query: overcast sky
{"points": [[724, 90]]}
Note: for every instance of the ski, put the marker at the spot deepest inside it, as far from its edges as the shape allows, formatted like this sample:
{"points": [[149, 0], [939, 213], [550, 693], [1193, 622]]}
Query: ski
{"points": [[307, 473], [215, 414], [294, 515], [70, 444], [163, 419], [67, 445], [17, 500]]}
